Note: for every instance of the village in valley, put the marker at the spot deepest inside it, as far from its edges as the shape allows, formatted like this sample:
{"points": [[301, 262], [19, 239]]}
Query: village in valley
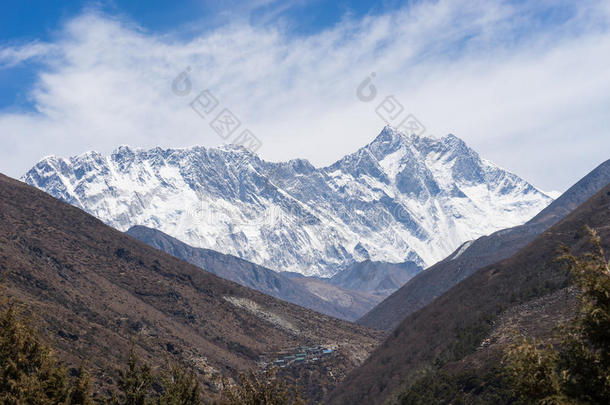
{"points": [[295, 356]]}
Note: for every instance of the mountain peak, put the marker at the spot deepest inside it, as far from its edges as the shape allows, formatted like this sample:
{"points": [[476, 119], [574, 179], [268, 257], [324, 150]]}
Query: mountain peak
{"points": [[456, 142], [390, 135], [231, 147], [123, 152], [426, 196], [123, 148], [391, 139]]}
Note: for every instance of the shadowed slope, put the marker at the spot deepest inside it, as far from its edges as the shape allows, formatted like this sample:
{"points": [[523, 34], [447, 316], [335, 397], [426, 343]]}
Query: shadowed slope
{"points": [[311, 293], [379, 278]]}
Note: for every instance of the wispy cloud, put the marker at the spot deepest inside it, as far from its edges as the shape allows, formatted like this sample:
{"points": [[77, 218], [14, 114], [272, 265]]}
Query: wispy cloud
{"points": [[526, 83], [12, 56]]}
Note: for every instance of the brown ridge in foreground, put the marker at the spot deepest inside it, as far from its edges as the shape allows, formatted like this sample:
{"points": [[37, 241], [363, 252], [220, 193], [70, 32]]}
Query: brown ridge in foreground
{"points": [[458, 324], [93, 290]]}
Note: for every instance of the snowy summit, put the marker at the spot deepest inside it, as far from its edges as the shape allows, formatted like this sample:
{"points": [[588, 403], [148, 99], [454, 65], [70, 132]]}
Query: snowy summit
{"points": [[399, 198]]}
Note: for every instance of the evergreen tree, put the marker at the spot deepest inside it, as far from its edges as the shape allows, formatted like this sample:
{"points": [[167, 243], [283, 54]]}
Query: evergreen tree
{"points": [[577, 370], [80, 394], [261, 389], [29, 371], [180, 387], [135, 382]]}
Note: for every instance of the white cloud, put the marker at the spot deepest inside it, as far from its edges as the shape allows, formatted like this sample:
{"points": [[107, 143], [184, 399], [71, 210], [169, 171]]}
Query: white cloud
{"points": [[531, 98], [12, 56]]}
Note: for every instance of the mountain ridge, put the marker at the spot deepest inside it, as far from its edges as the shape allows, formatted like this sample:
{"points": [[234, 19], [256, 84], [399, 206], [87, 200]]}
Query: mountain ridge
{"points": [[314, 294], [389, 201]]}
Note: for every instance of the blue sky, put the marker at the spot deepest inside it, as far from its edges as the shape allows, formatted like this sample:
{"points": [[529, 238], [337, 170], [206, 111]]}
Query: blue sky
{"points": [[526, 83], [38, 19], [23, 21]]}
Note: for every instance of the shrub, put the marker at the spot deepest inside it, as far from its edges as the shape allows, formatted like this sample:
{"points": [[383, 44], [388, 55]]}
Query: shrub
{"points": [[261, 389]]}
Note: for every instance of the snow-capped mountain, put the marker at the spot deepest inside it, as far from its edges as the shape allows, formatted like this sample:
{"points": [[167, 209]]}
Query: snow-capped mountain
{"points": [[400, 198]]}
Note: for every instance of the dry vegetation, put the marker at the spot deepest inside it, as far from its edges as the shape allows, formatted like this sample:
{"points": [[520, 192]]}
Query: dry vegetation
{"points": [[93, 291]]}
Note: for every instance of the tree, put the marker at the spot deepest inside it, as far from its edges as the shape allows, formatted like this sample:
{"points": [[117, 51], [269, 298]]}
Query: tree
{"points": [[577, 369], [135, 382], [261, 389], [532, 368], [180, 387], [80, 394], [29, 371]]}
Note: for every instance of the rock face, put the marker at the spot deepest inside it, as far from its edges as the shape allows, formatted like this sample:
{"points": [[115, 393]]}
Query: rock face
{"points": [[378, 278], [399, 198], [473, 255]]}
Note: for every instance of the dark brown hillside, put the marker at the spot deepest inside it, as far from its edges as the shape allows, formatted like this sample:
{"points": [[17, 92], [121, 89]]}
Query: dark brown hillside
{"points": [[94, 290], [454, 325]]}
